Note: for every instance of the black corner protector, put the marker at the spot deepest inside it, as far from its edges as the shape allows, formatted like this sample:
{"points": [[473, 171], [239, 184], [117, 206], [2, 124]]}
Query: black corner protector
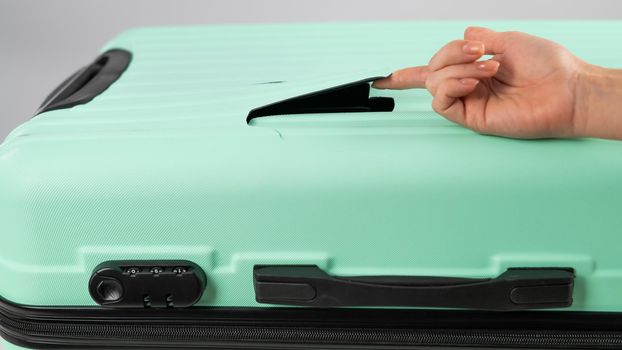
{"points": [[88, 82]]}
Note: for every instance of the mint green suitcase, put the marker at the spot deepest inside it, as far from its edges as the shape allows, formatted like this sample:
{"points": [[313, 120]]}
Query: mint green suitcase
{"points": [[242, 187]]}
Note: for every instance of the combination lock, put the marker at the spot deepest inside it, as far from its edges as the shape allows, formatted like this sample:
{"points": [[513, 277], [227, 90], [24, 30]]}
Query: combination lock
{"points": [[147, 284]]}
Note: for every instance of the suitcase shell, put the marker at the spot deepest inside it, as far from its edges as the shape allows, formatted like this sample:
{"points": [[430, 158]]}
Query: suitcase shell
{"points": [[163, 164]]}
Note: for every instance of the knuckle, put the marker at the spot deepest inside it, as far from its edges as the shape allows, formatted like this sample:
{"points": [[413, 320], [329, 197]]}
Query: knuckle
{"points": [[432, 63], [397, 78], [438, 104], [471, 120], [470, 30], [432, 86], [457, 42], [476, 124], [473, 126], [443, 85], [512, 35], [436, 107]]}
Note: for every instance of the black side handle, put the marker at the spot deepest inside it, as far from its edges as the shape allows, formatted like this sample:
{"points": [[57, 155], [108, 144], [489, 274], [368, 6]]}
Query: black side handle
{"points": [[515, 289], [88, 82], [351, 97]]}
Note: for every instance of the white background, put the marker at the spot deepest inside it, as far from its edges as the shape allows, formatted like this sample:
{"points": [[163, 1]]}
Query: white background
{"points": [[42, 42]]}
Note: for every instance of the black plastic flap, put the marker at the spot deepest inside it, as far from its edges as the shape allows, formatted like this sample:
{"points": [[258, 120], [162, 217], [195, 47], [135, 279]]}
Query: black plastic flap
{"points": [[351, 97]]}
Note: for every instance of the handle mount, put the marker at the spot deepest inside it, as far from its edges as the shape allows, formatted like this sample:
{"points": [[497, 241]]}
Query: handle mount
{"points": [[515, 289], [88, 82]]}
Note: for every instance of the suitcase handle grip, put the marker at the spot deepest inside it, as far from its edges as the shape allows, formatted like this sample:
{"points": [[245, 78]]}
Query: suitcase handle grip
{"points": [[88, 82], [515, 289]]}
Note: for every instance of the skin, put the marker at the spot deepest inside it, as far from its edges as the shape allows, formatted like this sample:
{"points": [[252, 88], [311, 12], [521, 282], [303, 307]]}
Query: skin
{"points": [[530, 88]]}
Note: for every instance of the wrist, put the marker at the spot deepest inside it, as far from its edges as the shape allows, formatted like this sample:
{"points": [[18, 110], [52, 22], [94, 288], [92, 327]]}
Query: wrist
{"points": [[598, 103]]}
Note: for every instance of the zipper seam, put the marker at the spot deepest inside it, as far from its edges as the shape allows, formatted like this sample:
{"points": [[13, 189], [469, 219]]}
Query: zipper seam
{"points": [[180, 334]]}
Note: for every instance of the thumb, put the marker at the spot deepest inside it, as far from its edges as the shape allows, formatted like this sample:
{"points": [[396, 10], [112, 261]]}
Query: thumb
{"points": [[407, 78], [494, 42]]}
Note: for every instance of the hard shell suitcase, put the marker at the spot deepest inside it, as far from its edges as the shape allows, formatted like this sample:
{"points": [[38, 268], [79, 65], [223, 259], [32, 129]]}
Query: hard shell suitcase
{"points": [[242, 187]]}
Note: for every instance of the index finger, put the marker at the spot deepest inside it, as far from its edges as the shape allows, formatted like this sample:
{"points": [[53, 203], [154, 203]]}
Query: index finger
{"points": [[407, 78]]}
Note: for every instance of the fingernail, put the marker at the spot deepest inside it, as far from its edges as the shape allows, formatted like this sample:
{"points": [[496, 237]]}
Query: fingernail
{"points": [[487, 65], [469, 81], [374, 83], [473, 47]]}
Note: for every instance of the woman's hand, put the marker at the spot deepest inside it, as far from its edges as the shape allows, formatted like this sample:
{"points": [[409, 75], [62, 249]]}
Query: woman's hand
{"points": [[530, 88]]}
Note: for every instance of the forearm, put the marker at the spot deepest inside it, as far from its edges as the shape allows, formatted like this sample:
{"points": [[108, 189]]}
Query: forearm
{"points": [[598, 107]]}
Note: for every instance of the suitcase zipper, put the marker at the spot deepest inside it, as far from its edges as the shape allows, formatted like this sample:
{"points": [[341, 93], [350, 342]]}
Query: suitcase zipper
{"points": [[296, 328], [147, 334]]}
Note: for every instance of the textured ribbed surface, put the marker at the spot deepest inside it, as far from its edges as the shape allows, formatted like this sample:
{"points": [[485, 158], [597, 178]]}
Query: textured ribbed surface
{"points": [[202, 76], [163, 165]]}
